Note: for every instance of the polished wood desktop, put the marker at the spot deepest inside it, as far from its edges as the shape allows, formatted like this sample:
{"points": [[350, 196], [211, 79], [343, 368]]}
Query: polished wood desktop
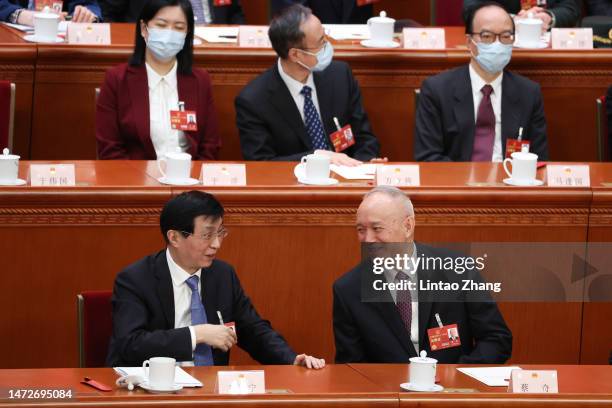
{"points": [[57, 120], [288, 242], [352, 385]]}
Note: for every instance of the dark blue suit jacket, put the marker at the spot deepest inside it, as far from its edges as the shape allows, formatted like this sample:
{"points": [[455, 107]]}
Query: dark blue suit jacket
{"points": [[567, 12], [7, 7], [128, 11], [373, 331], [445, 124], [599, 8], [143, 316], [330, 11]]}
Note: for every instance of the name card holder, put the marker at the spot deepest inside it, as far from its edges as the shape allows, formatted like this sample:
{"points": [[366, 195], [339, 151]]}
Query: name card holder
{"points": [[559, 175], [401, 175], [253, 37], [424, 38], [89, 33], [572, 38], [223, 175], [52, 175], [533, 382], [241, 382]]}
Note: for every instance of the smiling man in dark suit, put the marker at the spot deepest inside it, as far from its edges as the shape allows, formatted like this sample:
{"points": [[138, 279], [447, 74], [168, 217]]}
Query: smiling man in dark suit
{"points": [[331, 11], [288, 111], [124, 11], [169, 304], [390, 326], [469, 113]]}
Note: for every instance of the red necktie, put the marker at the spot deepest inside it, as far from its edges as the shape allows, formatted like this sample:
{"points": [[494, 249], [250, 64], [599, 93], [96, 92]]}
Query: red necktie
{"points": [[485, 127]]}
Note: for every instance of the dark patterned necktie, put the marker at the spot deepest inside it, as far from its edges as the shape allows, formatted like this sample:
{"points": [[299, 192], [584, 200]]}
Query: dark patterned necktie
{"points": [[484, 136], [404, 300], [314, 127]]}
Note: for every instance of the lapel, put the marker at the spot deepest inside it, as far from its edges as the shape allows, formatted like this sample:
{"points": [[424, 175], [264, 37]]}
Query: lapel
{"points": [[424, 303], [347, 10], [510, 110], [283, 102], [325, 96], [164, 288], [187, 86], [209, 294], [464, 112], [139, 101]]}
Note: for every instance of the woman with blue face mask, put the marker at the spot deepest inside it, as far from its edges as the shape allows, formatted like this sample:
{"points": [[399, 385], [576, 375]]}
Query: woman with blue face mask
{"points": [[138, 111]]}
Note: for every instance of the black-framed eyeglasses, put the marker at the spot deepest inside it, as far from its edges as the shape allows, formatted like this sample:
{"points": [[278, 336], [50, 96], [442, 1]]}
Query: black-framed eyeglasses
{"points": [[208, 236], [488, 37]]}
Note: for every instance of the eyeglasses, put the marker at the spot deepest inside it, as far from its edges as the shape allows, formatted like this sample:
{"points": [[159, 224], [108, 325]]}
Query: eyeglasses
{"points": [[209, 236], [487, 37]]}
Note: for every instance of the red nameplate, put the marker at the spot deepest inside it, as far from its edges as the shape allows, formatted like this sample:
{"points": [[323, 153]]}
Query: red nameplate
{"points": [[366, 2], [444, 337], [96, 384], [219, 3], [55, 5], [515, 145], [184, 120], [342, 139]]}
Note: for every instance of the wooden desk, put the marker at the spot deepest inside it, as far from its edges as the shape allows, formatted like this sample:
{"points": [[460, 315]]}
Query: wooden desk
{"points": [[67, 75], [288, 242]]}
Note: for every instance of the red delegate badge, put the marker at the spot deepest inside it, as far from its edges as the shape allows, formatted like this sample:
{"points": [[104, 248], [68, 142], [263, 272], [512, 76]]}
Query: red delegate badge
{"points": [[515, 145], [55, 5], [219, 3], [184, 120], [366, 2], [444, 337], [342, 139]]}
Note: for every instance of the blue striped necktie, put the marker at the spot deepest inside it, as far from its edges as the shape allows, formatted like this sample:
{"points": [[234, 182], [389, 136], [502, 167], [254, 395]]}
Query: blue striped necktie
{"points": [[198, 11], [312, 120], [203, 353]]}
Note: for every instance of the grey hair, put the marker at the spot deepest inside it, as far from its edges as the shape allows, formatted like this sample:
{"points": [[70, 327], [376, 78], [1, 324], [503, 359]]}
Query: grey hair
{"points": [[285, 30], [396, 194]]}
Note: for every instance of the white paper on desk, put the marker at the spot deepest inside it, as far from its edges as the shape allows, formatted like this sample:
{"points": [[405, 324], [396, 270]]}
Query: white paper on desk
{"points": [[491, 376], [363, 172], [180, 376], [348, 31], [218, 34], [62, 27]]}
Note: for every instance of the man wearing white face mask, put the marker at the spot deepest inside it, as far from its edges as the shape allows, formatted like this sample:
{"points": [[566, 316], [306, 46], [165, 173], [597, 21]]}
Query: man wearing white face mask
{"points": [[474, 112], [290, 110]]}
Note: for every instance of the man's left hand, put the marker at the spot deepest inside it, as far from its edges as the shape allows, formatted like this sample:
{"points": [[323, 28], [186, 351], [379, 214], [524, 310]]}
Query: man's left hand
{"points": [[82, 14], [309, 361]]}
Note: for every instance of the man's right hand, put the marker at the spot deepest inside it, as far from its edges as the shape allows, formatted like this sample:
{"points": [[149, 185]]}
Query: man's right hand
{"points": [[26, 17], [339, 159], [215, 335]]}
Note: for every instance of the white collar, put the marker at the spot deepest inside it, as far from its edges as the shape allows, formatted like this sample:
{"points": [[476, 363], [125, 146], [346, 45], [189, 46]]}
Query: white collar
{"points": [[154, 78], [478, 82], [178, 274], [390, 274], [294, 86]]}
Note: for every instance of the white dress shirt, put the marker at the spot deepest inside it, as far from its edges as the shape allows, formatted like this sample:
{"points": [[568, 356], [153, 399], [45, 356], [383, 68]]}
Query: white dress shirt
{"points": [[295, 87], [163, 97], [496, 98], [182, 296], [414, 324]]}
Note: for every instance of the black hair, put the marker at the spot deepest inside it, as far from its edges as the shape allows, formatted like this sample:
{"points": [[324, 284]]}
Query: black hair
{"points": [[150, 9], [285, 29], [181, 211], [470, 13]]}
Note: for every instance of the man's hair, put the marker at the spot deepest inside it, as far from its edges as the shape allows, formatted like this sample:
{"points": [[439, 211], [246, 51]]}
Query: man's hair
{"points": [[396, 194], [470, 13], [185, 57], [180, 212], [286, 29]]}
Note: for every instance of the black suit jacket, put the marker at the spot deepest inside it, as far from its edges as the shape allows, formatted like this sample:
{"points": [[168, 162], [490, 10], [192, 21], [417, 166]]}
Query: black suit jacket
{"points": [[599, 8], [128, 11], [445, 124], [271, 126], [143, 316], [373, 332], [330, 11], [567, 12]]}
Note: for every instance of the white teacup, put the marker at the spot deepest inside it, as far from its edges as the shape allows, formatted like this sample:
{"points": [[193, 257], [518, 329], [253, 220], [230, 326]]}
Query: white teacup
{"points": [[159, 372], [381, 28], [524, 166], [423, 371], [45, 26], [9, 167], [177, 166], [528, 31], [317, 167]]}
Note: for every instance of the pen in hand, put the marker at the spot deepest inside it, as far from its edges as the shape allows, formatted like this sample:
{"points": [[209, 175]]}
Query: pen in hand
{"points": [[220, 318]]}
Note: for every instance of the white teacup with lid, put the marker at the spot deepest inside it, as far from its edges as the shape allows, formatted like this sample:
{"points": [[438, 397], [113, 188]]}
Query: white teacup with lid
{"points": [[46, 24], [176, 168], [422, 376], [381, 29], [528, 31], [524, 168], [9, 169]]}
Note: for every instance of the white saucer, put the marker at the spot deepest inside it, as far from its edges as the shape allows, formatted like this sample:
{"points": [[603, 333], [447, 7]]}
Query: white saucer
{"points": [[178, 182], [420, 388], [16, 182], [33, 38], [541, 44], [374, 44], [530, 183], [175, 388], [329, 182]]}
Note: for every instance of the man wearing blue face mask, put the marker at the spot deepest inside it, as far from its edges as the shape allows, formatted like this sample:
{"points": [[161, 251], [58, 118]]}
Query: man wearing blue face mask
{"points": [[474, 112], [291, 110]]}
